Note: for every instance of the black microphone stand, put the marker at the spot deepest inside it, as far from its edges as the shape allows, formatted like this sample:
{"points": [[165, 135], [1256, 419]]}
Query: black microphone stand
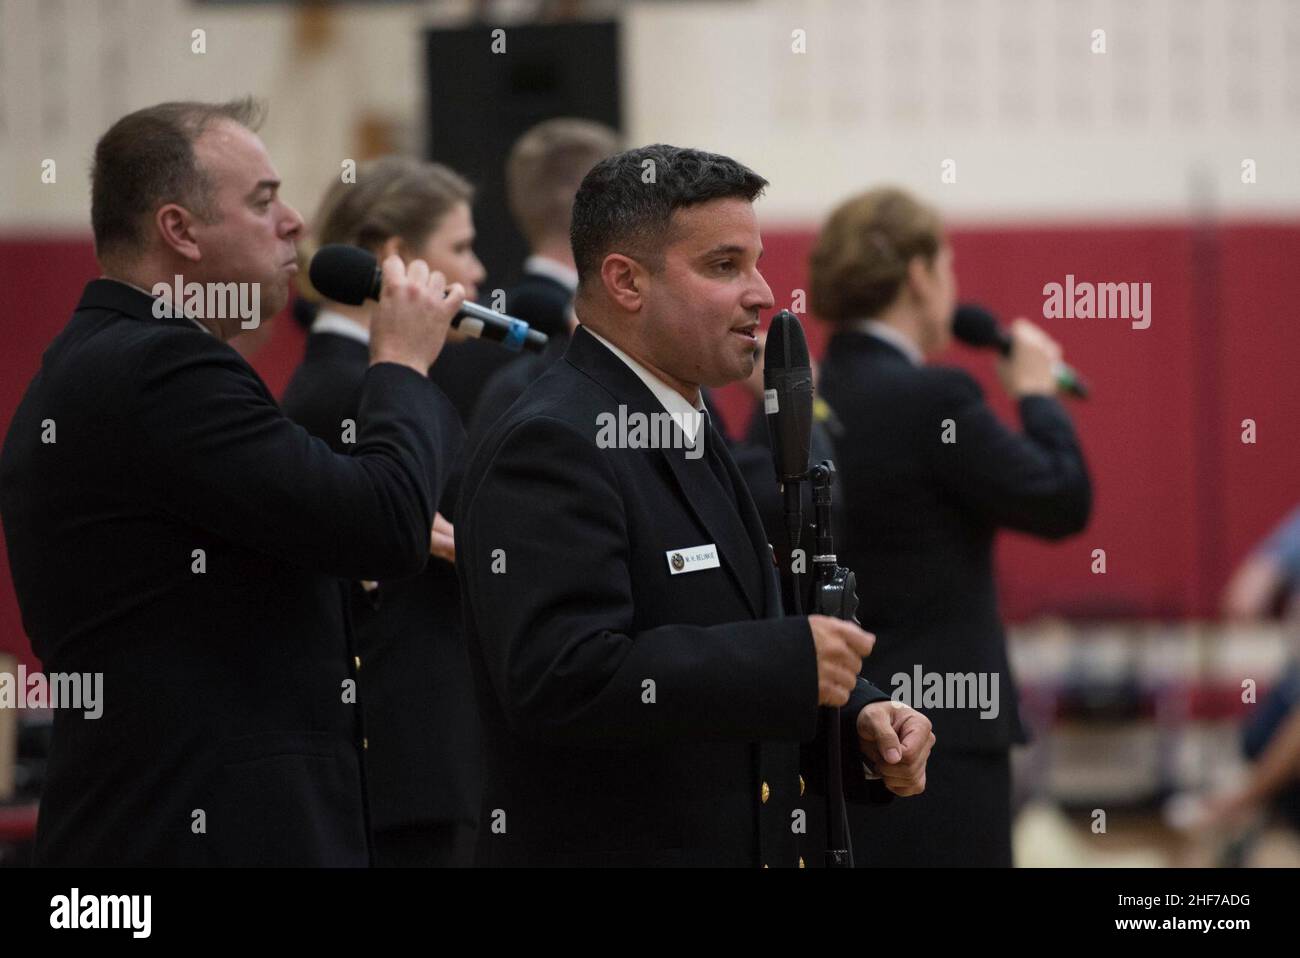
{"points": [[835, 594]]}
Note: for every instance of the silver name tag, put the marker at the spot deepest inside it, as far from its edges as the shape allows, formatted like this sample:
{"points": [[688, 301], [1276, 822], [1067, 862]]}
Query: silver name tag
{"points": [[692, 559]]}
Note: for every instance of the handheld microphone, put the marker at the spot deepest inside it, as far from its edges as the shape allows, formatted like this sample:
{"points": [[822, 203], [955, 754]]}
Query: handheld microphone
{"points": [[788, 403], [976, 326], [351, 275]]}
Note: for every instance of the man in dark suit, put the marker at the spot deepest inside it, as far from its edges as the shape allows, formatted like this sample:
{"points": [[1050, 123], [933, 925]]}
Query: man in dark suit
{"points": [[170, 528], [642, 698], [543, 171], [929, 474]]}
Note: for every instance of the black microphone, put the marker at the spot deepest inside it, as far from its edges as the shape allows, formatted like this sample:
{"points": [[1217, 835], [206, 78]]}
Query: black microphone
{"points": [[351, 275], [976, 326], [788, 402]]}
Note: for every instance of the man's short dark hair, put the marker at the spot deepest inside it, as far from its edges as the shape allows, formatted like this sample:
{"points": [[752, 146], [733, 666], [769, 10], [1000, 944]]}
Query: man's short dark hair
{"points": [[146, 159], [626, 202]]}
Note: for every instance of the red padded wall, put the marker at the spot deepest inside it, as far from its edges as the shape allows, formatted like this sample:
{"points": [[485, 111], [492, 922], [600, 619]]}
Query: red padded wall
{"points": [[1179, 498]]}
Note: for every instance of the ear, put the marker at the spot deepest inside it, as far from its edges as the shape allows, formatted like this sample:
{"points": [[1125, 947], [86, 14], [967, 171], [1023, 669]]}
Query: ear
{"points": [[920, 276], [392, 245], [624, 280], [175, 224]]}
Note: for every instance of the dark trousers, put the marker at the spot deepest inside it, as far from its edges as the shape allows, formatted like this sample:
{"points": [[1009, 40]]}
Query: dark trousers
{"points": [[425, 845], [963, 818]]}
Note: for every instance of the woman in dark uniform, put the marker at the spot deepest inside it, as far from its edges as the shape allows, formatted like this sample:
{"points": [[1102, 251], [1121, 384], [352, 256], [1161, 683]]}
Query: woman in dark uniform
{"points": [[413, 678], [928, 475]]}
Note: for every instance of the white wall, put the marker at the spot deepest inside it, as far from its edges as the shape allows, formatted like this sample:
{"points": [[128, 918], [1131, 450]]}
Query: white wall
{"points": [[69, 68], [1038, 126]]}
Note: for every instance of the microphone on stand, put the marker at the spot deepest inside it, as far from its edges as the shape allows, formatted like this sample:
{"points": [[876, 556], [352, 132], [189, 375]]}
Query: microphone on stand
{"points": [[788, 403], [351, 275]]}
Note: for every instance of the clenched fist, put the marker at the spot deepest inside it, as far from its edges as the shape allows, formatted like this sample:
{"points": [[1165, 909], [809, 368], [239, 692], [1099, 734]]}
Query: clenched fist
{"points": [[897, 739]]}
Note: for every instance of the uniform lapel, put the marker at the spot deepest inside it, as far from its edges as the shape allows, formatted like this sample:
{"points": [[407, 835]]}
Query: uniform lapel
{"points": [[771, 598], [715, 512], [696, 487]]}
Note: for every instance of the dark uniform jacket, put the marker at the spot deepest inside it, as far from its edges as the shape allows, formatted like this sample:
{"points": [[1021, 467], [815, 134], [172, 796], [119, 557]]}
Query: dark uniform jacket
{"points": [[414, 683], [464, 368], [227, 736], [508, 384], [632, 716], [920, 515]]}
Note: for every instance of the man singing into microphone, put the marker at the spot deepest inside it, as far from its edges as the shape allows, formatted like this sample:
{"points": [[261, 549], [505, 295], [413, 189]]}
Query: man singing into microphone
{"points": [[169, 528], [642, 699]]}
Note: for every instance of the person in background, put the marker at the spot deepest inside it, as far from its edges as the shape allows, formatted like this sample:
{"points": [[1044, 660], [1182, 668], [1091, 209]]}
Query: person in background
{"points": [[509, 382], [928, 475], [545, 167], [412, 672], [1267, 582], [1268, 579], [543, 172]]}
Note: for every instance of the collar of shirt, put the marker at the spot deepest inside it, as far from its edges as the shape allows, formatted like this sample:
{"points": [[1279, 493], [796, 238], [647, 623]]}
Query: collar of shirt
{"points": [[553, 269], [888, 334], [147, 293], [328, 321], [688, 417]]}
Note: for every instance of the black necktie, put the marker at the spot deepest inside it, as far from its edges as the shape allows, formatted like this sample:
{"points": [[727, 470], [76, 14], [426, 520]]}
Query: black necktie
{"points": [[749, 566], [711, 439]]}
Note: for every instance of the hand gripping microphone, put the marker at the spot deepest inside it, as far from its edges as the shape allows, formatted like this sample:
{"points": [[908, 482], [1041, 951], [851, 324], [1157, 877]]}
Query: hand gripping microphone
{"points": [[976, 326], [351, 275]]}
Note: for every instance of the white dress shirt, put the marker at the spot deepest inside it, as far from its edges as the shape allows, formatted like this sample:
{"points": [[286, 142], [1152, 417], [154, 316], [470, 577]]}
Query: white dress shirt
{"points": [[566, 276], [328, 321], [888, 334], [152, 296], [688, 417]]}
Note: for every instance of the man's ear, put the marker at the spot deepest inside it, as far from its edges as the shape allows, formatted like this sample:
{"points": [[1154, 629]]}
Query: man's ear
{"points": [[624, 280], [175, 224]]}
